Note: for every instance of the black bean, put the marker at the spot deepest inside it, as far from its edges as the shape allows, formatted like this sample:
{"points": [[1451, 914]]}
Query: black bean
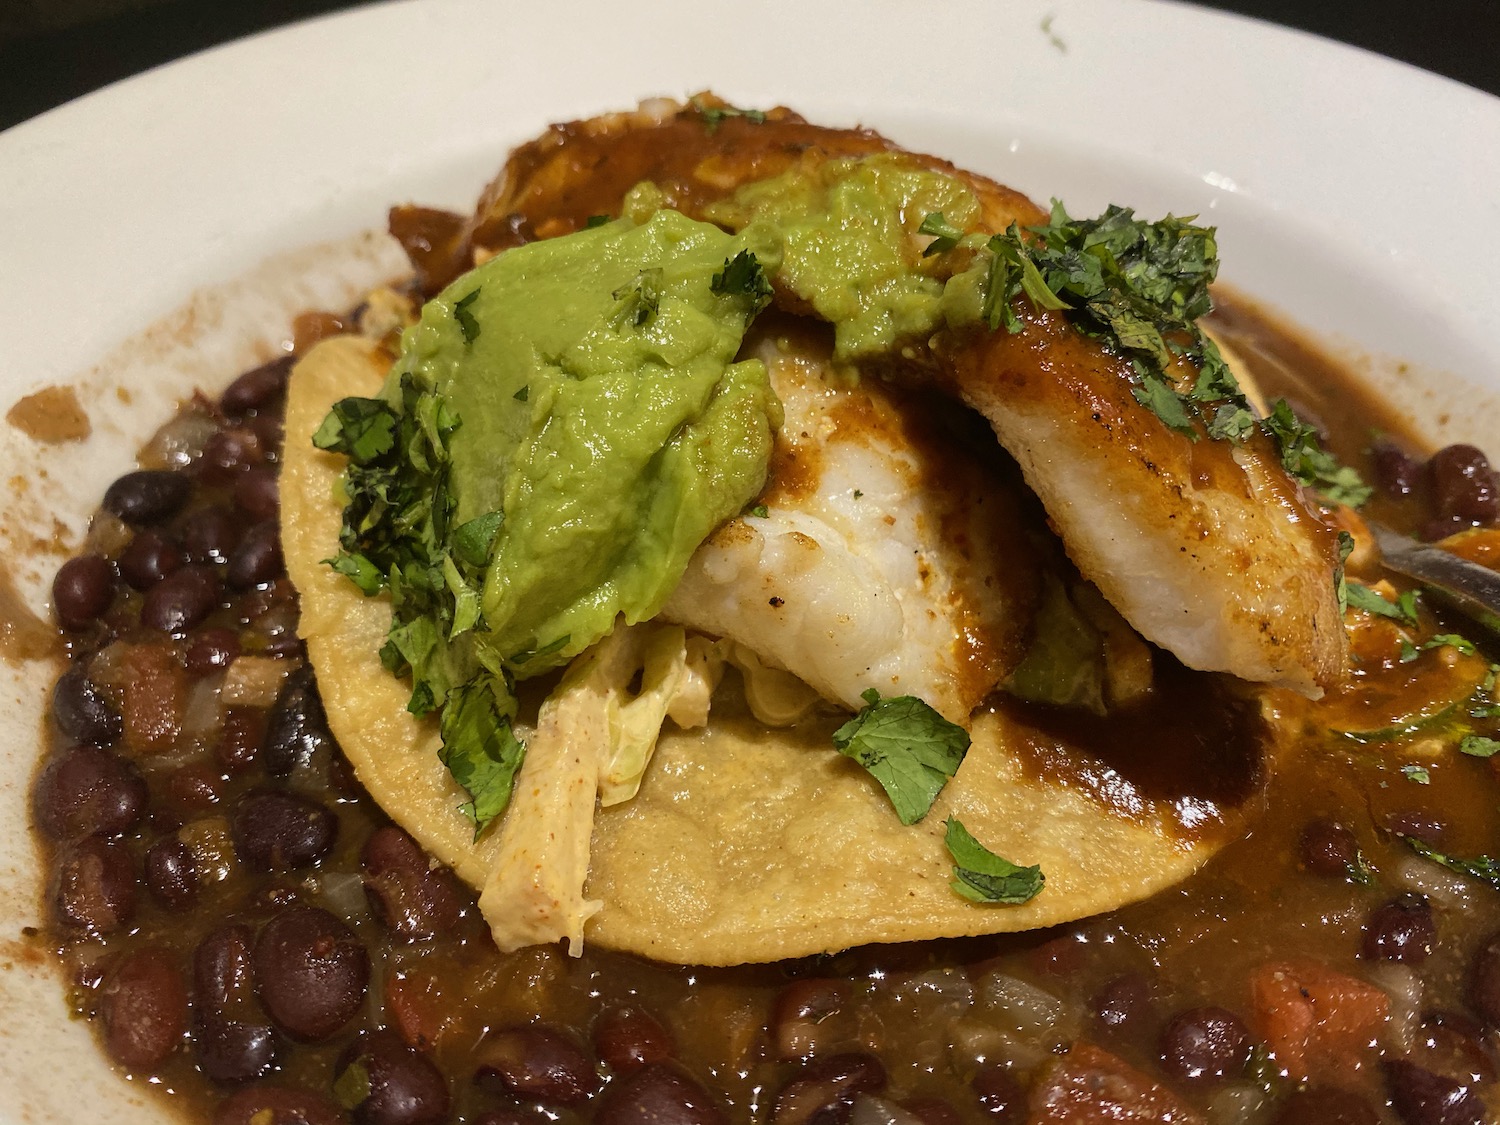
{"points": [[143, 1007], [1326, 1106], [182, 600], [277, 831], [228, 452], [1426, 826], [211, 650], [1484, 981], [210, 535], [85, 790], [223, 974], [628, 1038], [658, 1095], [311, 972], [1463, 486], [297, 727], [188, 793], [536, 1063], [1400, 930], [1125, 1004], [256, 493], [150, 557], [507, 1117], [801, 1009], [826, 1087], [96, 886], [1454, 1044], [81, 711], [82, 590], [1421, 1097], [400, 1086], [171, 874], [258, 557], [230, 1051], [1205, 1044], [147, 495], [1000, 1093], [258, 387], [412, 898], [1395, 472], [1329, 849], [240, 738], [277, 1105]]}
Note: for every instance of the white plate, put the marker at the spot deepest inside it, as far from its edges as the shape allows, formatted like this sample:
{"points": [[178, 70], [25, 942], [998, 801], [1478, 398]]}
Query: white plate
{"points": [[1355, 193]]}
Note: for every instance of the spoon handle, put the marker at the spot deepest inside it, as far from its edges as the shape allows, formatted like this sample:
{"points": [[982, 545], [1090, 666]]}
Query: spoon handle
{"points": [[1467, 587]]}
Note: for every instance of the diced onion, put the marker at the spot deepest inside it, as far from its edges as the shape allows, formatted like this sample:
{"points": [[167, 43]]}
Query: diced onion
{"points": [[1404, 987], [869, 1110], [1446, 888], [1238, 1105]]}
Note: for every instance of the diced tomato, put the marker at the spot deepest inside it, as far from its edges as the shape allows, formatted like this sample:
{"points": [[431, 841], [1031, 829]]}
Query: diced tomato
{"points": [[155, 697], [1089, 1086], [1314, 1019]]}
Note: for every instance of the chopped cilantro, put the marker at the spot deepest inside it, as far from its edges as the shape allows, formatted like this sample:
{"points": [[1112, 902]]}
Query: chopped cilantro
{"points": [[1403, 609], [713, 115], [1359, 870], [359, 570], [640, 298], [743, 276], [523, 394], [472, 540], [1410, 652], [858, 493], [595, 221], [1305, 458], [467, 324], [1479, 746], [907, 746], [1417, 774], [481, 751], [1340, 585], [945, 234], [760, 511], [363, 428], [1481, 867], [982, 876]]}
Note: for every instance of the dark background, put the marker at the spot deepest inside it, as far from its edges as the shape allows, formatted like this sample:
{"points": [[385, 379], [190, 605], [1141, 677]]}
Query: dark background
{"points": [[54, 50]]}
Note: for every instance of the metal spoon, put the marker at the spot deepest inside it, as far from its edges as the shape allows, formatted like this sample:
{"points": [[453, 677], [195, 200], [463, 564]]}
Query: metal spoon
{"points": [[1467, 587]]}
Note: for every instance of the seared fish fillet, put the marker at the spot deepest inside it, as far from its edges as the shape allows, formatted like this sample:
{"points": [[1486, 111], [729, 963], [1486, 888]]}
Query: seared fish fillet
{"points": [[886, 556], [1208, 549]]}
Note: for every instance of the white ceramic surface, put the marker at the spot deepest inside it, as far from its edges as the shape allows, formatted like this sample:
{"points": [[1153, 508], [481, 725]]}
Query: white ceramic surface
{"points": [[1357, 194]]}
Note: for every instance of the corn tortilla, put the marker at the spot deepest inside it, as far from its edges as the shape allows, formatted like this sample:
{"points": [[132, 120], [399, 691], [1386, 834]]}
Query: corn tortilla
{"points": [[744, 844]]}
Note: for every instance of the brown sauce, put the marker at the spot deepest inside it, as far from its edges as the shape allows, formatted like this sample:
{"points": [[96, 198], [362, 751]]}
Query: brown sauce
{"points": [[52, 415]]}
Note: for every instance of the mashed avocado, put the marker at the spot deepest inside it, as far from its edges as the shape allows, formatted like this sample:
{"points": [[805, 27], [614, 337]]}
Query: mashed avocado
{"points": [[853, 250], [601, 411], [564, 425]]}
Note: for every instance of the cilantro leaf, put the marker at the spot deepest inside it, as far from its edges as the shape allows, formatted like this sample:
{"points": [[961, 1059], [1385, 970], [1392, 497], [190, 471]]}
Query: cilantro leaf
{"points": [[472, 540], [547, 649], [1417, 774], [481, 752], [595, 221], [713, 115], [1403, 609], [1479, 746], [1304, 457], [760, 511], [640, 298], [982, 876], [467, 323], [907, 746], [1484, 868], [363, 428], [743, 276], [523, 394], [1410, 652], [359, 570], [945, 234], [1340, 584]]}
